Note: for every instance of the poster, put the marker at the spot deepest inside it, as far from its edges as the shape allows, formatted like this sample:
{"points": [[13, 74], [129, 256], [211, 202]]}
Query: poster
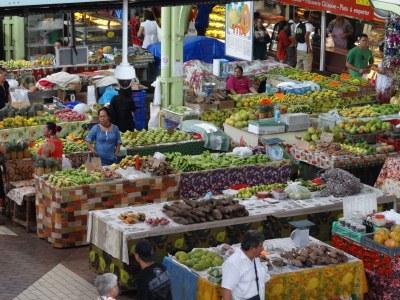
{"points": [[239, 30]]}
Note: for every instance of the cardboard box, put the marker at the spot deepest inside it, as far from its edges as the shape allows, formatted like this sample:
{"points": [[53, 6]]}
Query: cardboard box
{"points": [[66, 95], [266, 126], [81, 97], [225, 104], [220, 67], [201, 107]]}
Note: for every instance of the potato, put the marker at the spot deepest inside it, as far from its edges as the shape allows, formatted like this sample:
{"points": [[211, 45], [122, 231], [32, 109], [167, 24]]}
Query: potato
{"points": [[296, 263]]}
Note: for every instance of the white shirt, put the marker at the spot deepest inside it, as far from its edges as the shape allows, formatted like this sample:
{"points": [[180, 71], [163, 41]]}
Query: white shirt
{"points": [[310, 29], [238, 276], [150, 33]]}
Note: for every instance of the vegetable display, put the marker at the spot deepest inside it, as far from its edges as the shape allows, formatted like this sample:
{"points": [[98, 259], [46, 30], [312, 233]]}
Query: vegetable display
{"points": [[340, 183], [199, 211], [72, 177], [208, 161], [251, 191], [199, 259], [152, 137], [132, 218], [68, 115]]}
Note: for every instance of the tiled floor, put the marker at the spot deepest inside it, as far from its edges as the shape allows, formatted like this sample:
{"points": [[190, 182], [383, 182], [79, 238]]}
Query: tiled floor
{"points": [[31, 268]]}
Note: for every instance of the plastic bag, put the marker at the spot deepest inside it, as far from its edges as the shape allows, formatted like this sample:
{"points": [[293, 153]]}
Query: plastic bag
{"points": [[296, 191], [243, 151], [329, 43], [109, 93], [154, 121], [66, 163], [81, 108]]}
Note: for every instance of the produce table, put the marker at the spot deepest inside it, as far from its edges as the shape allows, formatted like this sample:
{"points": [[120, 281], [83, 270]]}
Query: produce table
{"points": [[32, 133], [112, 242], [197, 184], [383, 271], [318, 282], [389, 177], [61, 214], [194, 147]]}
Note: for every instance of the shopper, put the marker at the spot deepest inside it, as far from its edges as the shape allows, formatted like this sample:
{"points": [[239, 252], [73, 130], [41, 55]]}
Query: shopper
{"points": [[283, 41], [243, 275], [261, 39], [203, 18], [122, 107], [239, 84], [2, 162], [107, 286], [106, 138], [53, 147], [291, 49], [340, 30], [153, 281], [148, 30], [134, 24], [303, 39], [5, 96], [360, 59], [384, 81]]}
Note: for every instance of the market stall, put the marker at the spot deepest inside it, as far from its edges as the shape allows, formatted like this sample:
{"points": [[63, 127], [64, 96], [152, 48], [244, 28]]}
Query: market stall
{"points": [[389, 177], [286, 283], [116, 247]]}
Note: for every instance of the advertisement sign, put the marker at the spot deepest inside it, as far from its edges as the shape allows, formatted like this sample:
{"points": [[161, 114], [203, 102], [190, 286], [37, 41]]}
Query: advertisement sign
{"points": [[358, 9], [239, 30], [10, 3]]}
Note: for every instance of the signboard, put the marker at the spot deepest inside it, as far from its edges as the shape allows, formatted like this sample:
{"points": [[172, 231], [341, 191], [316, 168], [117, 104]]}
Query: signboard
{"points": [[239, 30], [13, 3], [359, 9]]}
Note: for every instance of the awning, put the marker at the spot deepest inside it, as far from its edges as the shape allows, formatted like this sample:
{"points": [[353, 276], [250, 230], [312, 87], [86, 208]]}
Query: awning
{"points": [[26, 7], [358, 9], [388, 5]]}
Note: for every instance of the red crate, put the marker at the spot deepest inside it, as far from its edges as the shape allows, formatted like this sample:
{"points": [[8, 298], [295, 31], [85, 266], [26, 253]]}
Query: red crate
{"points": [[395, 122], [395, 143]]}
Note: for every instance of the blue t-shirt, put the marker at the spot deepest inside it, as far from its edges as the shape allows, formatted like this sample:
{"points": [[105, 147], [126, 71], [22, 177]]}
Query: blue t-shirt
{"points": [[105, 143]]}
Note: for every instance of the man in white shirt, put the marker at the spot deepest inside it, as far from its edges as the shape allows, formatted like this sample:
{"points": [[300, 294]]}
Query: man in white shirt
{"points": [[243, 275], [303, 39]]}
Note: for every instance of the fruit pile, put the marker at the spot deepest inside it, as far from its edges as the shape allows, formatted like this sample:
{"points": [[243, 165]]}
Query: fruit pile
{"points": [[337, 86], [218, 117], [389, 238], [68, 147], [68, 115], [179, 109], [240, 119], [127, 161], [152, 137], [361, 127], [313, 185], [154, 222], [199, 259], [132, 218], [248, 100], [300, 108], [251, 191], [326, 103], [359, 148], [71, 177], [386, 109], [331, 149], [15, 64], [208, 161], [366, 111]]}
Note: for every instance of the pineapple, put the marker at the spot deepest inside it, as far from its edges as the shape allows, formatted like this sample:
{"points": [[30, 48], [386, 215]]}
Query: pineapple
{"points": [[25, 147], [7, 146], [19, 147], [12, 149], [39, 166], [48, 165]]}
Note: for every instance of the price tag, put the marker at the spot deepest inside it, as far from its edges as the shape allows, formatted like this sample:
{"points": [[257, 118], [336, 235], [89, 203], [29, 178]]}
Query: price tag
{"points": [[326, 137]]}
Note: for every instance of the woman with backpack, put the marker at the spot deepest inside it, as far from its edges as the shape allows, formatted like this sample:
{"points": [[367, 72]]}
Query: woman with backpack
{"points": [[283, 41]]}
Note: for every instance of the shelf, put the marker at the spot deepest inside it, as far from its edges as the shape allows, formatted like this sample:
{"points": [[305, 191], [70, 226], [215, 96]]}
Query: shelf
{"points": [[37, 45], [45, 29]]}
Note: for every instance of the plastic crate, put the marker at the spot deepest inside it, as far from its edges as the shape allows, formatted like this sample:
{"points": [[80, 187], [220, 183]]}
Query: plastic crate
{"points": [[394, 143], [395, 122], [347, 233], [367, 240], [179, 118], [71, 105]]}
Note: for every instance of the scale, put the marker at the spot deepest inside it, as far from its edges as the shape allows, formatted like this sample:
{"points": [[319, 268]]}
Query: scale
{"points": [[274, 149]]}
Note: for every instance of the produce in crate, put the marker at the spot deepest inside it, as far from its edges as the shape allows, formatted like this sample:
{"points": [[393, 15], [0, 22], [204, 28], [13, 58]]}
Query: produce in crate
{"points": [[314, 254], [240, 119], [208, 161], [340, 183], [152, 137], [188, 212], [300, 108], [199, 259], [132, 218], [71, 177], [389, 238], [362, 127], [68, 115]]}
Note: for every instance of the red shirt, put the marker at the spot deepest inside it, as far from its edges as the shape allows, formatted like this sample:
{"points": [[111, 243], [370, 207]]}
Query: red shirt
{"points": [[135, 25], [241, 86]]}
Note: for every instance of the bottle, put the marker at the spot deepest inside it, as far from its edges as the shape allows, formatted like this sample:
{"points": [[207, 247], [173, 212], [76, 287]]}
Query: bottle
{"points": [[267, 86], [277, 113]]}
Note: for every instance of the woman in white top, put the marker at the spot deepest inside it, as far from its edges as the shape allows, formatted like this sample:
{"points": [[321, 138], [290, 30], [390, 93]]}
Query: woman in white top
{"points": [[148, 30]]}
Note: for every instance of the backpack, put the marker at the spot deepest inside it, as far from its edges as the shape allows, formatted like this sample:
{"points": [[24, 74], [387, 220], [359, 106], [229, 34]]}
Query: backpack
{"points": [[301, 33]]}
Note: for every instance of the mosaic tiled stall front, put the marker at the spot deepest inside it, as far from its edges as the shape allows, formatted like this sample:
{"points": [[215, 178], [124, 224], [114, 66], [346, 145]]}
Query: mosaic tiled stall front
{"points": [[197, 184], [62, 213]]}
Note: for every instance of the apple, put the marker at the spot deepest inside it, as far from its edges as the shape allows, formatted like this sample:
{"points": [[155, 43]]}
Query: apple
{"points": [[395, 228], [395, 236], [391, 243], [383, 231], [379, 238]]}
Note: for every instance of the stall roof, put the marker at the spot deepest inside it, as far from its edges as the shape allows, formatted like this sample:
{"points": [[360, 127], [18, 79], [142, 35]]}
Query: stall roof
{"points": [[26, 7], [388, 5]]}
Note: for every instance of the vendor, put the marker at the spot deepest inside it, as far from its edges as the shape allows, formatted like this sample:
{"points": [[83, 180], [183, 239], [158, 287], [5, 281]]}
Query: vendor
{"points": [[53, 147], [243, 275], [340, 29], [239, 84], [5, 96], [106, 137], [122, 107], [360, 59]]}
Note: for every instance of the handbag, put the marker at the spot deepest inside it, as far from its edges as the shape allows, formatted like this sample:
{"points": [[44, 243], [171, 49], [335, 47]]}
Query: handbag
{"points": [[256, 297]]}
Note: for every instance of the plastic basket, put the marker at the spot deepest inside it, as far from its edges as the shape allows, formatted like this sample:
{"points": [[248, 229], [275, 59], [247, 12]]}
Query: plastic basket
{"points": [[367, 240], [394, 143], [347, 233], [71, 105], [179, 118]]}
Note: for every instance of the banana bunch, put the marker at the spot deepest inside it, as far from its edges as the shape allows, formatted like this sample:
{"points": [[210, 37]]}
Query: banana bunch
{"points": [[128, 161]]}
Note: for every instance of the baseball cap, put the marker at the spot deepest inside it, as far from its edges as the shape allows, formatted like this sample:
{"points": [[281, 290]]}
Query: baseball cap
{"points": [[145, 250]]}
